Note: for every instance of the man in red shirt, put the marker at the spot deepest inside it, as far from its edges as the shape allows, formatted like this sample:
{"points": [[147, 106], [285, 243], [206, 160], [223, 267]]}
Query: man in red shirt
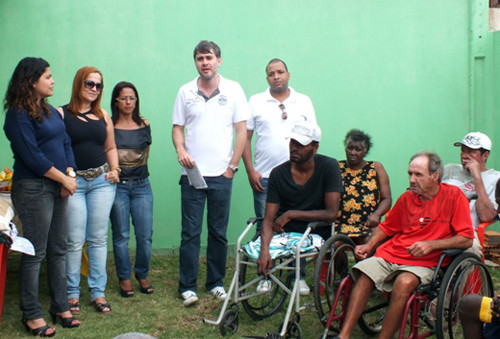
{"points": [[430, 217]]}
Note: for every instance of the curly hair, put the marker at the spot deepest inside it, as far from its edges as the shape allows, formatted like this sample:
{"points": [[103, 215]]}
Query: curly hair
{"points": [[356, 135], [21, 93]]}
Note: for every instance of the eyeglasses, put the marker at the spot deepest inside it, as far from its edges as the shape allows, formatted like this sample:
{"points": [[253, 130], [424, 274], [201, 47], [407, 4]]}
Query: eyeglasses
{"points": [[284, 116], [124, 99], [89, 84]]}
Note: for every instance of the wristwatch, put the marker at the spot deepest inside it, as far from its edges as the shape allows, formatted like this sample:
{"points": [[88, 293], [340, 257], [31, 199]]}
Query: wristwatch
{"points": [[71, 174], [233, 168]]}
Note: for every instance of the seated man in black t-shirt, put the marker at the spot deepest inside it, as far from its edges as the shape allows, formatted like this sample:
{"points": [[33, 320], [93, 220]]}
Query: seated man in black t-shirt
{"points": [[306, 188]]}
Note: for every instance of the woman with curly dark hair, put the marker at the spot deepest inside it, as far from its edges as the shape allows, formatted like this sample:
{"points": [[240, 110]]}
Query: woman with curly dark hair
{"points": [[43, 162], [367, 193]]}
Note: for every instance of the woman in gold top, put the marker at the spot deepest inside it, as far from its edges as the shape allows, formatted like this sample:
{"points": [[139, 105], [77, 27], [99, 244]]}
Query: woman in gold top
{"points": [[134, 197]]}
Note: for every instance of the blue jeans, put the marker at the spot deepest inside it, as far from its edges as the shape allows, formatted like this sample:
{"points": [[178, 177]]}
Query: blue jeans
{"points": [[88, 215], [218, 197], [259, 202], [133, 198], [43, 214]]}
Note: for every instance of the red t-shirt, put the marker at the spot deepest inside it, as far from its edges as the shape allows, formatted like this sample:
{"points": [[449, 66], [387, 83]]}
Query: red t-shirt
{"points": [[412, 220]]}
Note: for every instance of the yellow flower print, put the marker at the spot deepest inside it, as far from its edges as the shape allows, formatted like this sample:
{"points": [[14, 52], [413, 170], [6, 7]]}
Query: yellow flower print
{"points": [[355, 218], [351, 191], [351, 205], [369, 199], [354, 181], [372, 184]]}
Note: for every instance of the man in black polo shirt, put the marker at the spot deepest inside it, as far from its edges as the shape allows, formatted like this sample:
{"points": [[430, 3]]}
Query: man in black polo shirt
{"points": [[305, 188]]}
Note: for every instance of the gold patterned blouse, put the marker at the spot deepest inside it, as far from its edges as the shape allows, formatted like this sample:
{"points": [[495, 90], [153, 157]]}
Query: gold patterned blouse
{"points": [[360, 199]]}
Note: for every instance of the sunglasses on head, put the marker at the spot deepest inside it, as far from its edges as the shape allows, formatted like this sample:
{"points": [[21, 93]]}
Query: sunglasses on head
{"points": [[89, 84]]}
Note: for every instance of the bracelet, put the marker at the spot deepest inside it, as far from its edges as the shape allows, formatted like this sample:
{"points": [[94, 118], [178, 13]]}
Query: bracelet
{"points": [[118, 169]]}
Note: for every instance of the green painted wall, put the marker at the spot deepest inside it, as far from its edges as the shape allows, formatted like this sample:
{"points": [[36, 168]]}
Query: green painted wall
{"points": [[399, 70]]}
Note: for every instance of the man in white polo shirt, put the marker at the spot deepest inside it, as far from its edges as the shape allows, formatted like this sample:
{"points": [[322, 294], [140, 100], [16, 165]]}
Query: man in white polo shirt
{"points": [[474, 179], [272, 114], [206, 112]]}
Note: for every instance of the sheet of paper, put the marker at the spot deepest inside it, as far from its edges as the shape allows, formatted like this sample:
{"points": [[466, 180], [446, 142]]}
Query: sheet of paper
{"points": [[195, 178], [23, 245], [19, 244]]}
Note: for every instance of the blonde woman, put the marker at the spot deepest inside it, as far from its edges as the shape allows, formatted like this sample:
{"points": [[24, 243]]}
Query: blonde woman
{"points": [[91, 132]]}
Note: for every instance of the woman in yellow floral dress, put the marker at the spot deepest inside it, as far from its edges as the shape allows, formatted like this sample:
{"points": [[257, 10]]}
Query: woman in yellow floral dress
{"points": [[367, 193]]}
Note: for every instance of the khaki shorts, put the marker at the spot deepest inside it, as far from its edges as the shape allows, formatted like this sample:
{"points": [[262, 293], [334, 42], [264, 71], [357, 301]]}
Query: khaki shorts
{"points": [[383, 273]]}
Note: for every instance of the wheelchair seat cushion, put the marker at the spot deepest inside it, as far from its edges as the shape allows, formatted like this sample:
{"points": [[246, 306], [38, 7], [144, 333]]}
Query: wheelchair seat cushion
{"points": [[285, 244]]}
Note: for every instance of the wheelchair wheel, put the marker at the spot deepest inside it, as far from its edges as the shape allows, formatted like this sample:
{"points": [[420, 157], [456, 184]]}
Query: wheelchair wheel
{"points": [[465, 275], [263, 305], [230, 322], [332, 265], [293, 330]]}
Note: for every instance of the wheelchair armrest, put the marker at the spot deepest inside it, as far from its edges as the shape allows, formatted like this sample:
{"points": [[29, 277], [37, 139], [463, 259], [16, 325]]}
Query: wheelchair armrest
{"points": [[254, 220], [315, 224], [482, 228], [451, 252]]}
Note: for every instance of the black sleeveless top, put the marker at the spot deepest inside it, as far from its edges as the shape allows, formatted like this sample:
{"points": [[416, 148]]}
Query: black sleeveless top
{"points": [[87, 138], [133, 152]]}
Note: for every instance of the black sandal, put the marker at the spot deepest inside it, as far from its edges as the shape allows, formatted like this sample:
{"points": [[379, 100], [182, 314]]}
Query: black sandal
{"points": [[65, 322], [102, 307], [74, 307], [40, 331], [126, 293], [146, 290]]}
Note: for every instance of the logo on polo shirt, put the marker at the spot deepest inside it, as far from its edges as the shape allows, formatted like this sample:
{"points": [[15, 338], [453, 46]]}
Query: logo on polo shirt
{"points": [[424, 221], [222, 100]]}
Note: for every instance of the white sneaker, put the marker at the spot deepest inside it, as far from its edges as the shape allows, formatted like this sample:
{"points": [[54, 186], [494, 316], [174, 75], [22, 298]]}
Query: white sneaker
{"points": [[219, 292], [265, 286], [303, 288], [189, 298]]}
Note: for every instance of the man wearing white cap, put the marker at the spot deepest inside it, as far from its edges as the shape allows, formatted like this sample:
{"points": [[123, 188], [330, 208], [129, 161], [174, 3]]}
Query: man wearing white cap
{"points": [[473, 178], [305, 188]]}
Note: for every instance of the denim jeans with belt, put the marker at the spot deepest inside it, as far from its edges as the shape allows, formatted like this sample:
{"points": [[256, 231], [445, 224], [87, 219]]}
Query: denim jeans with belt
{"points": [[134, 198], [218, 198], [88, 216], [43, 214]]}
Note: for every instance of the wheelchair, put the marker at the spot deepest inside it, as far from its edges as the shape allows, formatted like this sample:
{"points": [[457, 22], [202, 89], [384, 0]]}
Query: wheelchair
{"points": [[431, 310], [285, 276]]}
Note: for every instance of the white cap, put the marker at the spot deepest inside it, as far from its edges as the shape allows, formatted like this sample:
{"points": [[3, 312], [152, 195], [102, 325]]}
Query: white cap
{"points": [[475, 140], [305, 132]]}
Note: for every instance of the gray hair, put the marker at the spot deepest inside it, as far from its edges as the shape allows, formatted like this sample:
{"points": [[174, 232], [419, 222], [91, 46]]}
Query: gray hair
{"points": [[435, 163]]}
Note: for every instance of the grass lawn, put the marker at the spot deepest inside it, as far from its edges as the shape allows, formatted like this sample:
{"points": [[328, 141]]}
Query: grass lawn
{"points": [[160, 314]]}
